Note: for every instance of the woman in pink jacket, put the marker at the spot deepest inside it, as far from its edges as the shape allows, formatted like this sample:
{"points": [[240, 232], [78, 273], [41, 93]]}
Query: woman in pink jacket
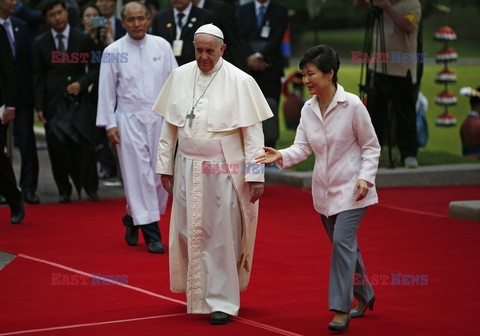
{"points": [[336, 126]]}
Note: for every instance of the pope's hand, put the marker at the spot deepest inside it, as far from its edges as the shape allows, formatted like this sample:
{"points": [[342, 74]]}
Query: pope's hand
{"points": [[8, 115], [113, 135], [167, 182], [361, 189], [270, 155], [256, 190]]}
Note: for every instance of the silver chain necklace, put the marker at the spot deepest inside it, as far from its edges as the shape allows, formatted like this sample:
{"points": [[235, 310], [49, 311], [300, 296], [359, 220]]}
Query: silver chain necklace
{"points": [[191, 115]]}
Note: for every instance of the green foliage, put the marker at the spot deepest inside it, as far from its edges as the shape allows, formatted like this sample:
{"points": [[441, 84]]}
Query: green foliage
{"points": [[443, 147]]}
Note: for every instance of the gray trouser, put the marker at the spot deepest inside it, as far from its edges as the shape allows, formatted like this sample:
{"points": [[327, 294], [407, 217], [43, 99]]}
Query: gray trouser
{"points": [[346, 261]]}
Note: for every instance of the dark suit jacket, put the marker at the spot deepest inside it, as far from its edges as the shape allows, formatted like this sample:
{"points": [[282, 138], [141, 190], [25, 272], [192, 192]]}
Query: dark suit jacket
{"points": [[22, 63], [119, 30], [7, 73], [52, 79], [164, 25], [277, 18], [225, 19]]}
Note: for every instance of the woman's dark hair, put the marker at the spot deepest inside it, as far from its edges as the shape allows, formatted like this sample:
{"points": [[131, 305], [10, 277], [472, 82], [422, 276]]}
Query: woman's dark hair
{"points": [[84, 8], [50, 4], [475, 100], [324, 58], [89, 5]]}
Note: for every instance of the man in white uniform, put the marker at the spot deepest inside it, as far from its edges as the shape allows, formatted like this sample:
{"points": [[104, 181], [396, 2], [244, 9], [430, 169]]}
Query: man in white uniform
{"points": [[126, 94], [215, 112]]}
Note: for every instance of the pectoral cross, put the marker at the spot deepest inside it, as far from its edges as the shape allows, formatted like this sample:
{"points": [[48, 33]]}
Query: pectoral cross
{"points": [[190, 116]]}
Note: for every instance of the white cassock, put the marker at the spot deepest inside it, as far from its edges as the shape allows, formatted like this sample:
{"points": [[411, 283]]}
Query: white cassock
{"points": [[213, 223], [127, 92]]}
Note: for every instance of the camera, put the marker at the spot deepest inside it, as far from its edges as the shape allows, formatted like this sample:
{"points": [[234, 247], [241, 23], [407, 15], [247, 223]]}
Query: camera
{"points": [[98, 22]]}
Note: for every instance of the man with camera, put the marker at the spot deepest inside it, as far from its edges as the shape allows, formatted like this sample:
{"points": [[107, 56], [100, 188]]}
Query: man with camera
{"points": [[396, 87]]}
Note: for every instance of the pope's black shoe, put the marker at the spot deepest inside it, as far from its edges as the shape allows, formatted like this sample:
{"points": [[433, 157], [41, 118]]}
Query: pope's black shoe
{"points": [[131, 231], [156, 247], [30, 198], [17, 214], [219, 318]]}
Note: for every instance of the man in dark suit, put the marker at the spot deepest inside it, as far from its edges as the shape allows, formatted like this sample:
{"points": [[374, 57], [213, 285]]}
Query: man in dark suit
{"points": [[178, 25], [60, 89], [18, 33], [224, 18], [8, 184], [112, 23], [115, 30], [262, 26]]}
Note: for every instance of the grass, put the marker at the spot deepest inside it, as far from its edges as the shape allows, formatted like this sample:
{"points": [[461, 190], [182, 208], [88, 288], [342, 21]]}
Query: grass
{"points": [[443, 147]]}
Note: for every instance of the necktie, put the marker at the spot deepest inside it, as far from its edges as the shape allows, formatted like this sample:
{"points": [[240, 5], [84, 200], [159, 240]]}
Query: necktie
{"points": [[11, 40], [61, 46], [260, 15], [180, 20]]}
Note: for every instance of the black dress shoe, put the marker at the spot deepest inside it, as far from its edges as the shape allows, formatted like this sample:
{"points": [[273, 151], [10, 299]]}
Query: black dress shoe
{"points": [[339, 326], [17, 214], [92, 196], [31, 198], [219, 318], [3, 201], [156, 247], [64, 198], [131, 231]]}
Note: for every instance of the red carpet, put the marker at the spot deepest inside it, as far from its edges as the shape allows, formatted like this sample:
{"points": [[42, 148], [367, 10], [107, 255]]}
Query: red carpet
{"points": [[44, 292]]}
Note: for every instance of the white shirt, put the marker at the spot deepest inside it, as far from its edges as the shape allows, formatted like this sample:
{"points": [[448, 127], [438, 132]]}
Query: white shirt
{"points": [[186, 11], [65, 33], [258, 5], [10, 27], [133, 86], [346, 149]]}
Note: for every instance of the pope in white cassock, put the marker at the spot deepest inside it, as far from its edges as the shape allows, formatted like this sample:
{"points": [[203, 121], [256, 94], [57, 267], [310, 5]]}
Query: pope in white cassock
{"points": [[126, 95], [214, 112]]}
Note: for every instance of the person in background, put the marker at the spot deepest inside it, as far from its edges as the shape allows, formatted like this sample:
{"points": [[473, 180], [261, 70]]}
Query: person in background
{"points": [[8, 183], [178, 24], [396, 87], [24, 137], [127, 93], [60, 90], [114, 30], [336, 127], [470, 128], [262, 26]]}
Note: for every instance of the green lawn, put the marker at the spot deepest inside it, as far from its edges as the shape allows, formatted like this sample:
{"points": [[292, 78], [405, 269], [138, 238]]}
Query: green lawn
{"points": [[444, 143]]}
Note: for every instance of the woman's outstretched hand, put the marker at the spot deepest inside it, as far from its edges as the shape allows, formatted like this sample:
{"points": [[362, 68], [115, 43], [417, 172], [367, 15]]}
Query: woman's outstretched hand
{"points": [[271, 155]]}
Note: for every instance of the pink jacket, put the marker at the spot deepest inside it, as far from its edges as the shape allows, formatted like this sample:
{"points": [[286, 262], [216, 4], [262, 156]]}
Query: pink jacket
{"points": [[346, 149]]}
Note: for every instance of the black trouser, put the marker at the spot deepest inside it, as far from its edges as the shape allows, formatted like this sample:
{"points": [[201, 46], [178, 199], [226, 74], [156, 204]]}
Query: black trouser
{"points": [[8, 183], [75, 160], [271, 89], [395, 94], [27, 146]]}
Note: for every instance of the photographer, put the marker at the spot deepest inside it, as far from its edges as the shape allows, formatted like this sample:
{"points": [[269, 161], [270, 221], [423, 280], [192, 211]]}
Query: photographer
{"points": [[396, 87], [94, 25]]}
